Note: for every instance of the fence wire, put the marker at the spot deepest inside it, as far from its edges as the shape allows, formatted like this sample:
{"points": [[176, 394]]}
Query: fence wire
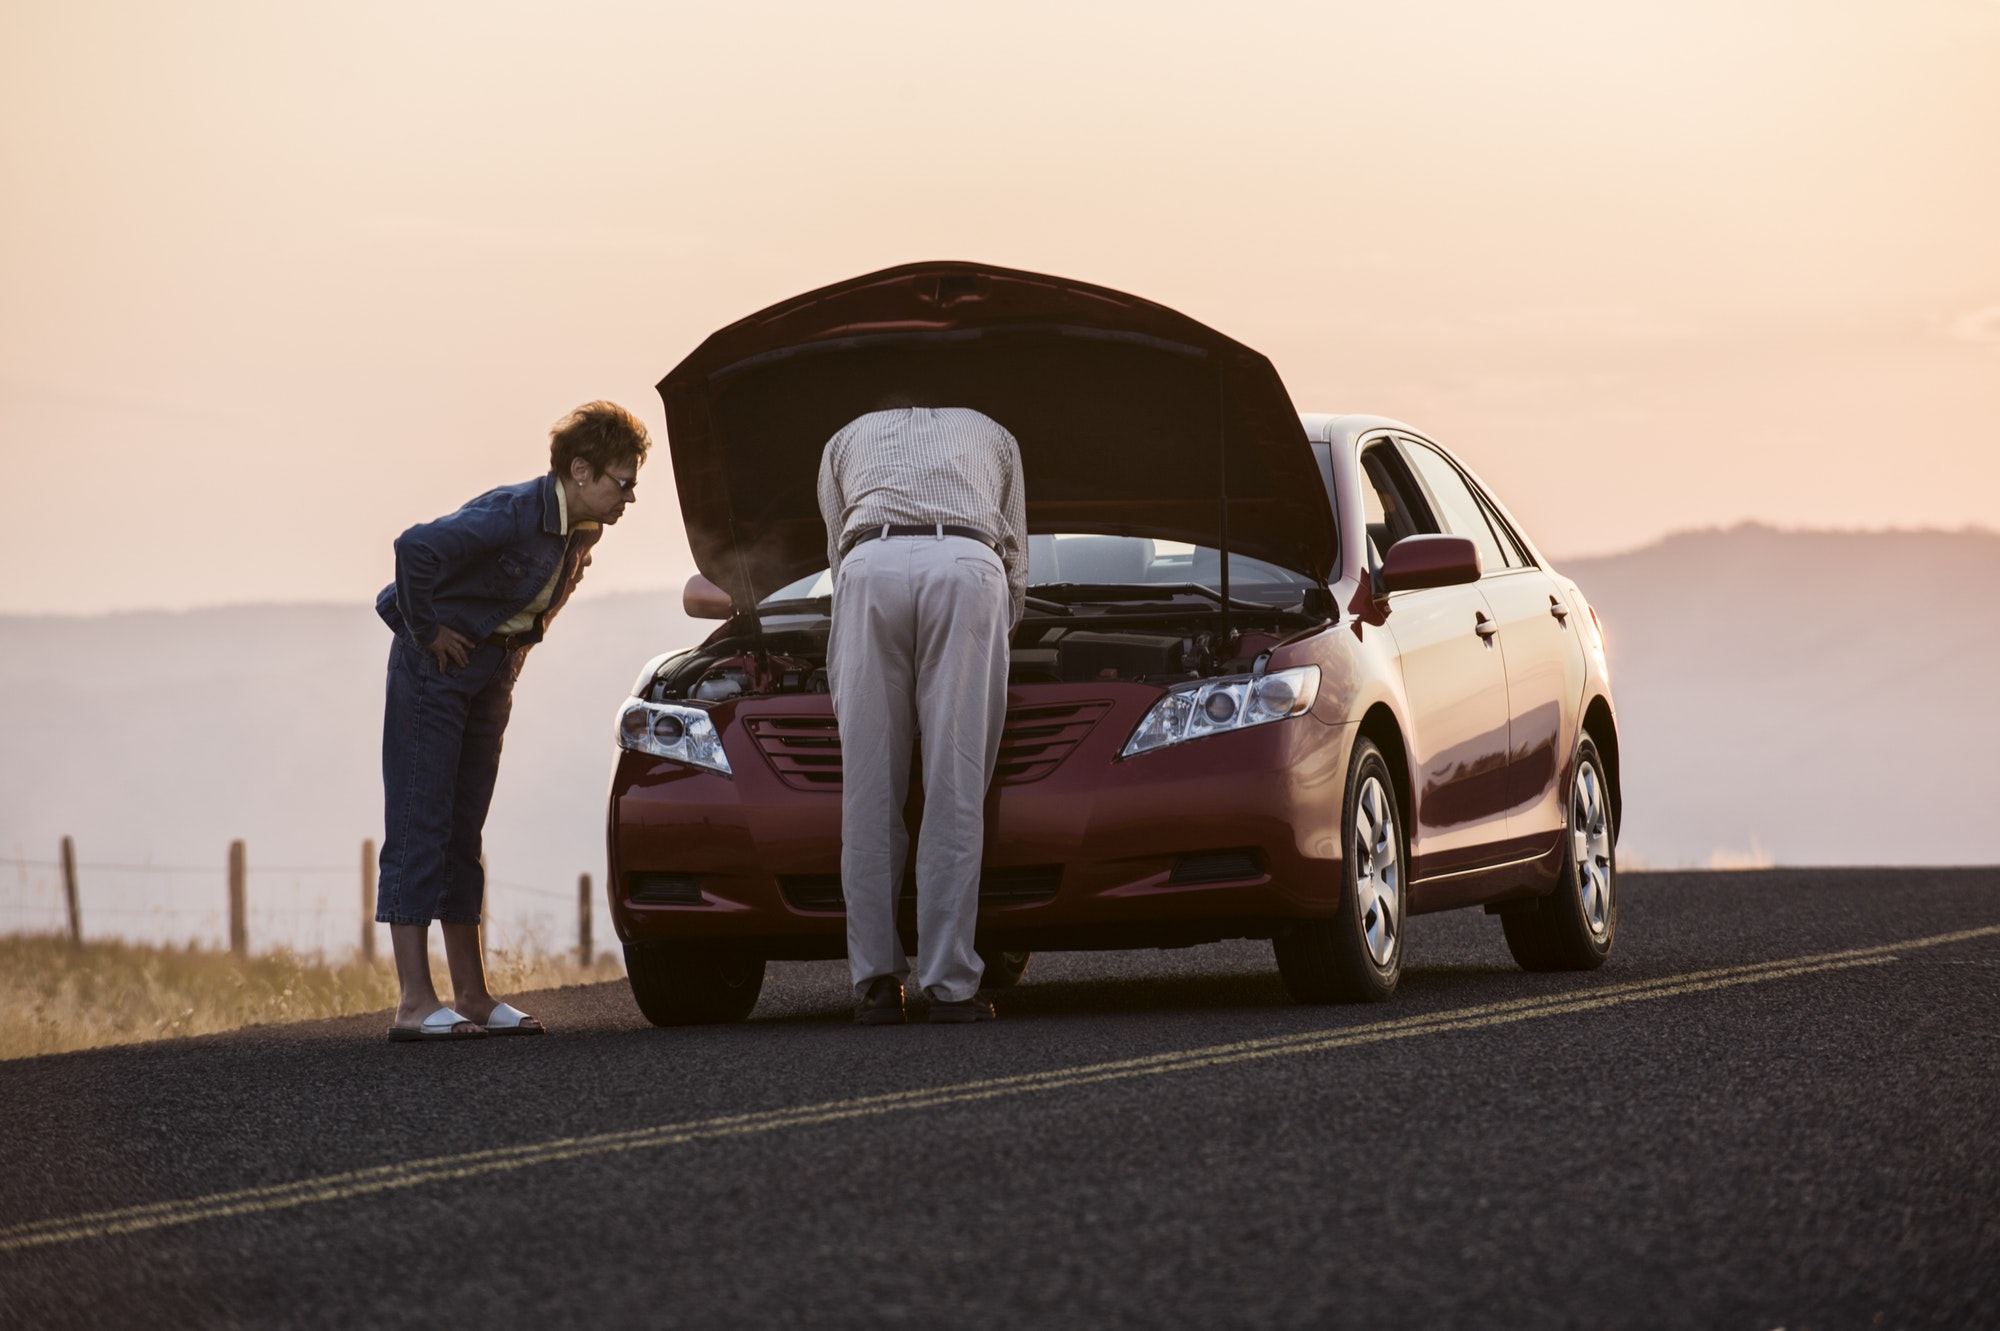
{"points": [[118, 907]]}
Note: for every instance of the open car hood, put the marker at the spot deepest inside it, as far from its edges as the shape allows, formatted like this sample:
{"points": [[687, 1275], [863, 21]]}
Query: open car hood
{"points": [[1133, 419]]}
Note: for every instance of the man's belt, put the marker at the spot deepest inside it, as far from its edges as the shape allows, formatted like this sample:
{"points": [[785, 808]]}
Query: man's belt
{"points": [[507, 642], [937, 529]]}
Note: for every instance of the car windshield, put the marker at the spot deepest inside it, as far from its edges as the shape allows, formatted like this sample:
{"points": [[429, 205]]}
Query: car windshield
{"points": [[1085, 560]]}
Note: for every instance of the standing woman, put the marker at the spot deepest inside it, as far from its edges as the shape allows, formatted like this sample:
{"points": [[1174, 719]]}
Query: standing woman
{"points": [[473, 591]]}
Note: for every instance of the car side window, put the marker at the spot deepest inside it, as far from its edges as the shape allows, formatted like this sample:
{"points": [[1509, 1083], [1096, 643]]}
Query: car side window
{"points": [[1510, 545], [1387, 500], [1457, 507]]}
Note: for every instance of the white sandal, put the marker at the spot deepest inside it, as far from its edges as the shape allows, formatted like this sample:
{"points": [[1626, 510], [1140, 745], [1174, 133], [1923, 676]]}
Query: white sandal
{"points": [[442, 1024], [506, 1019]]}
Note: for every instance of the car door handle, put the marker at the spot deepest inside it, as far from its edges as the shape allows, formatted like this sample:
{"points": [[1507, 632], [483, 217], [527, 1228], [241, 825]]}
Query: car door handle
{"points": [[1484, 626], [1560, 611]]}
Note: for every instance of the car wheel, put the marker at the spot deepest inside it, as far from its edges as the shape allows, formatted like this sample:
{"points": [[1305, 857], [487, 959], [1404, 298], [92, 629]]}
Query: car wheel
{"points": [[1003, 969], [679, 984], [1574, 925], [1357, 955]]}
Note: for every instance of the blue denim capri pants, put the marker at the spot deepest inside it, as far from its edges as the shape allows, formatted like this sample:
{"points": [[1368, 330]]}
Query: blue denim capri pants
{"points": [[441, 736]]}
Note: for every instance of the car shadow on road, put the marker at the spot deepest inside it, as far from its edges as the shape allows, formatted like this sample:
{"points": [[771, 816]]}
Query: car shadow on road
{"points": [[1089, 997], [1431, 986]]}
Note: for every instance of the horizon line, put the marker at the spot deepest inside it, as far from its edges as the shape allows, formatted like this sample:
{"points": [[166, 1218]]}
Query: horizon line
{"points": [[1973, 529]]}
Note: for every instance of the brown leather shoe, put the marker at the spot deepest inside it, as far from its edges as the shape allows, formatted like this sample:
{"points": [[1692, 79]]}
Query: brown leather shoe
{"points": [[966, 1009], [883, 1003]]}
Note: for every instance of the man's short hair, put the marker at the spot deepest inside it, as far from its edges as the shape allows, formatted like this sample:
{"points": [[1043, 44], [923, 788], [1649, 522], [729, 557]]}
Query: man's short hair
{"points": [[600, 433]]}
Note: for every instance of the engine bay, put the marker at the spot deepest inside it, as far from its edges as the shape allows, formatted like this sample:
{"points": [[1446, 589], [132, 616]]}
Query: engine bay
{"points": [[739, 664]]}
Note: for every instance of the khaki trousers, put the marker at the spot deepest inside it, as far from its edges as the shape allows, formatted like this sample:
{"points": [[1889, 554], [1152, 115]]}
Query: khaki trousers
{"points": [[919, 645]]}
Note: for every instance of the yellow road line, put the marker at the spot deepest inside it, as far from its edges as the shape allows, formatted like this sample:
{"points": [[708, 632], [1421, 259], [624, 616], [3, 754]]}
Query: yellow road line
{"points": [[473, 1164]]}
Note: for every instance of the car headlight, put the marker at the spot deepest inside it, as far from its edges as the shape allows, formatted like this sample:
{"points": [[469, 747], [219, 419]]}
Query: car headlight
{"points": [[1211, 706], [667, 730]]}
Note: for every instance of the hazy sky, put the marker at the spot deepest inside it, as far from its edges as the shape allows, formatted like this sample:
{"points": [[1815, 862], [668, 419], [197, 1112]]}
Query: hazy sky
{"points": [[278, 280]]}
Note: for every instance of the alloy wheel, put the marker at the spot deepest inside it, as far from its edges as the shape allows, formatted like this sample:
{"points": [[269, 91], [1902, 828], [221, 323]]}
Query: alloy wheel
{"points": [[1590, 843], [1378, 878]]}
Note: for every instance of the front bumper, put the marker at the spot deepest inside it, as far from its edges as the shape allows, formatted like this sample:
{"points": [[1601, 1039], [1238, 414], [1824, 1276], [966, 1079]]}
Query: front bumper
{"points": [[1225, 836]]}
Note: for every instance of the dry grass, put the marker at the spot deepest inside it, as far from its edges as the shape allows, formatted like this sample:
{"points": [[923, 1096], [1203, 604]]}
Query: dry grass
{"points": [[57, 997]]}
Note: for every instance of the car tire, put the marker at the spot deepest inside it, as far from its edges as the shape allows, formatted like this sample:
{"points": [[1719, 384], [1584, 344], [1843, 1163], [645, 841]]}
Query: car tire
{"points": [[680, 984], [1356, 956], [1003, 969], [1573, 927]]}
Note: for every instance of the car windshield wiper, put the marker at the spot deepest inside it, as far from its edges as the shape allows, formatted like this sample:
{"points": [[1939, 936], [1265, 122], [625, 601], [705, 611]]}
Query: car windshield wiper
{"points": [[1075, 593]]}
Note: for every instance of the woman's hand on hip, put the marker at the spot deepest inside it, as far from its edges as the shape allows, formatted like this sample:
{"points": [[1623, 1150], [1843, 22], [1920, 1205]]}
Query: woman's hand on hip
{"points": [[450, 649]]}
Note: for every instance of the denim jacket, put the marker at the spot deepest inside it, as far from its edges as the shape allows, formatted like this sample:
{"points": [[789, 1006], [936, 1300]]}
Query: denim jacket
{"points": [[475, 569]]}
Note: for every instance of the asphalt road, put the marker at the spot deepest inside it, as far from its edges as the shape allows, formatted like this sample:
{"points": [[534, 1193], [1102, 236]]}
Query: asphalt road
{"points": [[1725, 1127]]}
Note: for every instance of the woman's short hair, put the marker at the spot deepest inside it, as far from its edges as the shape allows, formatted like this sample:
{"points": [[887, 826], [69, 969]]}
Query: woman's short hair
{"points": [[600, 433]]}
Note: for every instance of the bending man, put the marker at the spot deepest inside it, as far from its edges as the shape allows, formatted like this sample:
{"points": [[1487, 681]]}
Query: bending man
{"points": [[925, 521], [473, 591]]}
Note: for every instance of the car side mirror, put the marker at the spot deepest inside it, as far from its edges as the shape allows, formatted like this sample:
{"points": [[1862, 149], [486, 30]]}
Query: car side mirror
{"points": [[702, 599], [1430, 561]]}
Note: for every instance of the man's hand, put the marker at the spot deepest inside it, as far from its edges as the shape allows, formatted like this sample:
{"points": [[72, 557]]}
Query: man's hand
{"points": [[450, 649]]}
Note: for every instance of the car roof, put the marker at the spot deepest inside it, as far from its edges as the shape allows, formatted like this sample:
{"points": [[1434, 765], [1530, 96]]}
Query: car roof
{"points": [[1324, 427]]}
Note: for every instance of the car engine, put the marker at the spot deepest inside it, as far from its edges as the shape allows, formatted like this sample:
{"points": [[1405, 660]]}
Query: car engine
{"points": [[738, 666]]}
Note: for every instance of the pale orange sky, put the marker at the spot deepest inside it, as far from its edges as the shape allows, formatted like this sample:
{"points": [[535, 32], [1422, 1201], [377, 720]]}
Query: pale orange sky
{"points": [[278, 280]]}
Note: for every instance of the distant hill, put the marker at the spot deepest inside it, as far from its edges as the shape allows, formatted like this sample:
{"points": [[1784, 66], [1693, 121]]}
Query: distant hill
{"points": [[1806, 697], [1803, 698], [159, 737]]}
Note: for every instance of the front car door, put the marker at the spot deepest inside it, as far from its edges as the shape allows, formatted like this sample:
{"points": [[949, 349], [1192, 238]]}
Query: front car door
{"points": [[1539, 644], [1455, 682]]}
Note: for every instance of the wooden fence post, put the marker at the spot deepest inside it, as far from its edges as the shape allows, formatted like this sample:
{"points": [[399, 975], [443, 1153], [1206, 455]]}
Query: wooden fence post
{"points": [[239, 929], [69, 892], [368, 901], [584, 953]]}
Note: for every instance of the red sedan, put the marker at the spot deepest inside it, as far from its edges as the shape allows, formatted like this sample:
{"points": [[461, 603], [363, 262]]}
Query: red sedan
{"points": [[1281, 676]]}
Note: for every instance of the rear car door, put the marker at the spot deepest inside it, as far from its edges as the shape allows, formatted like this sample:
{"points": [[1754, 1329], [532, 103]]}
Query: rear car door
{"points": [[1454, 681], [1539, 645]]}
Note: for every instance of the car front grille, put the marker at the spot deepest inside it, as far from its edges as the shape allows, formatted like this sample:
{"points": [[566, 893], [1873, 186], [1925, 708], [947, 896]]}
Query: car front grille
{"points": [[812, 891], [1007, 885], [1037, 739], [805, 750], [663, 889], [1019, 884]]}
